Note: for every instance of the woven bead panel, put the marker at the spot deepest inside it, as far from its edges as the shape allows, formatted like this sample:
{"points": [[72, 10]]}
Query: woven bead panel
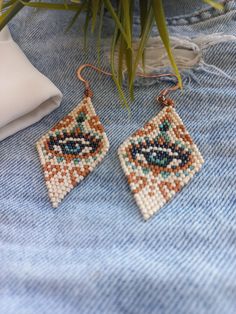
{"points": [[71, 150], [158, 160]]}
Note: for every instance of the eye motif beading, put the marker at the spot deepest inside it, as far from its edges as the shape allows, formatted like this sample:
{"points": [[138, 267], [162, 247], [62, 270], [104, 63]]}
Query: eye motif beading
{"points": [[158, 160], [71, 150]]}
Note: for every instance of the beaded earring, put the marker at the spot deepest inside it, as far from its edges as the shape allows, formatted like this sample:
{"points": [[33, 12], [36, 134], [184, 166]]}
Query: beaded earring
{"points": [[160, 158], [72, 148]]}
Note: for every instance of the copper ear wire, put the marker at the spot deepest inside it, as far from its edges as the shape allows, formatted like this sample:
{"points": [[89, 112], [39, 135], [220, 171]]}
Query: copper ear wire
{"points": [[161, 97], [88, 92], [163, 93]]}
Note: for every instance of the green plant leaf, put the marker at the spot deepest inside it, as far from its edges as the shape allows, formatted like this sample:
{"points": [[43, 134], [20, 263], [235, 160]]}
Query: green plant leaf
{"points": [[99, 35], [161, 25], [65, 3], [143, 40], [127, 21], [95, 5], [6, 4], [123, 20], [143, 5], [115, 39], [129, 65], [111, 10], [10, 13], [120, 60], [79, 10], [86, 23], [51, 6], [214, 4]]}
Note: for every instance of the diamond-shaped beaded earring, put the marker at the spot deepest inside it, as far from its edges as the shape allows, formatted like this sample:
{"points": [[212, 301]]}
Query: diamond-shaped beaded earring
{"points": [[73, 147], [160, 158]]}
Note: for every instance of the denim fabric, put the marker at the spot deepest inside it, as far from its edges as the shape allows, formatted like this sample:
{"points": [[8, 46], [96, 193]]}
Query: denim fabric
{"points": [[95, 254]]}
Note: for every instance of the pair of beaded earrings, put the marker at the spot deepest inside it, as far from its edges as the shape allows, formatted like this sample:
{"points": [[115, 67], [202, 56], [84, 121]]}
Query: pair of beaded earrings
{"points": [[158, 159]]}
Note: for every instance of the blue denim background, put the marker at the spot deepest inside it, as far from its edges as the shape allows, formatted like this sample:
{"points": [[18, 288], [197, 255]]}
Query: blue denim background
{"points": [[95, 254]]}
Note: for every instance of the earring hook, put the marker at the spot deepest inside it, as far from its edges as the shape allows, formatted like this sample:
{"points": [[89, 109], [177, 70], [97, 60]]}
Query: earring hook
{"points": [[161, 97], [163, 93], [88, 92]]}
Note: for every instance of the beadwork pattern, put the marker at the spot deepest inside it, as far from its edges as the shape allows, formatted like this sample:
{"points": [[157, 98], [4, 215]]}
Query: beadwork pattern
{"points": [[158, 160], [71, 150]]}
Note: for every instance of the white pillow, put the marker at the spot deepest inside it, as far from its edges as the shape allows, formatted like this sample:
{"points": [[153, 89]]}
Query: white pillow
{"points": [[26, 95]]}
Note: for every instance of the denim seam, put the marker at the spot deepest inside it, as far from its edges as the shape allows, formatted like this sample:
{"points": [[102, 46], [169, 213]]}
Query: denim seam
{"points": [[196, 17], [202, 15]]}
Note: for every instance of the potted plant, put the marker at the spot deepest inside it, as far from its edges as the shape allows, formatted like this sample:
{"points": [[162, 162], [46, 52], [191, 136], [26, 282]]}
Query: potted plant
{"points": [[151, 12]]}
